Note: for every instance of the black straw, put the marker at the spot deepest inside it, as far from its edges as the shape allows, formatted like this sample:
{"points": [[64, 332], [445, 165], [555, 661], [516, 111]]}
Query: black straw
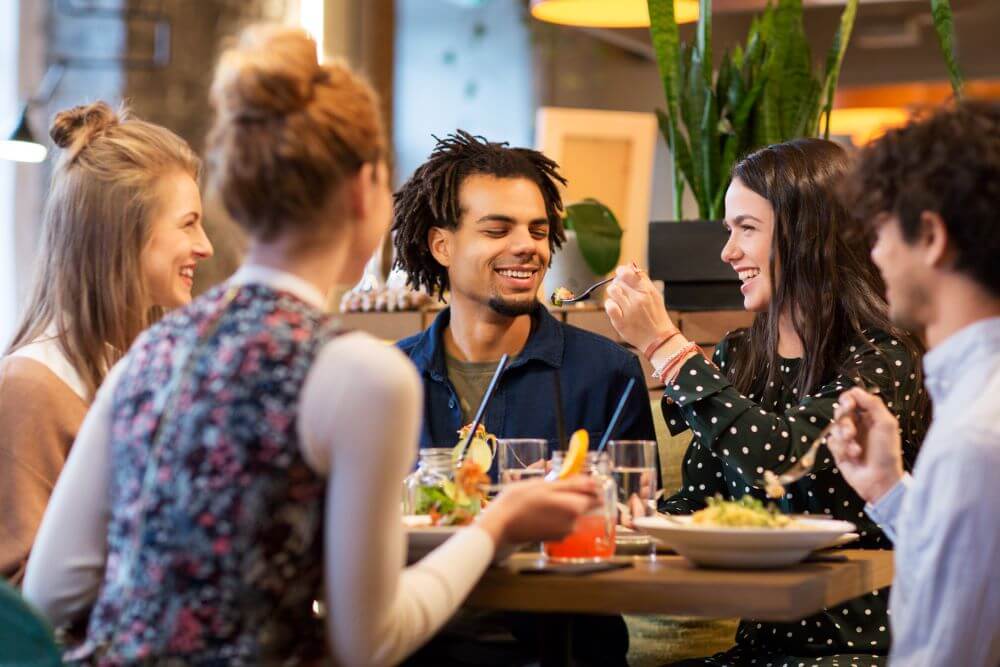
{"points": [[482, 404], [560, 420], [616, 415]]}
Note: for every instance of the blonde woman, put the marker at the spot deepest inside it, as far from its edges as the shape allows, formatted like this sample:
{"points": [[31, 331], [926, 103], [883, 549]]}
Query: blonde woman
{"points": [[245, 458], [122, 235]]}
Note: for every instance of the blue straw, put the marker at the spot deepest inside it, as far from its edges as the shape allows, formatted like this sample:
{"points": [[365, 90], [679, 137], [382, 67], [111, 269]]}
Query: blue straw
{"points": [[616, 415]]}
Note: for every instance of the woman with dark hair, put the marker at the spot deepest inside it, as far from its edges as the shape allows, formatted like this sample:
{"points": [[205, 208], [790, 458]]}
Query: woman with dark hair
{"points": [[821, 327]]}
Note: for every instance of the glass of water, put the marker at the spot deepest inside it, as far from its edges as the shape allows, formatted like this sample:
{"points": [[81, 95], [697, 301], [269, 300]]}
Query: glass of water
{"points": [[521, 458], [633, 467]]}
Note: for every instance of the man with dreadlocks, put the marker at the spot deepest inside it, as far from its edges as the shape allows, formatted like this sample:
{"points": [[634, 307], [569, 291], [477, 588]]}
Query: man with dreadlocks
{"points": [[480, 220]]}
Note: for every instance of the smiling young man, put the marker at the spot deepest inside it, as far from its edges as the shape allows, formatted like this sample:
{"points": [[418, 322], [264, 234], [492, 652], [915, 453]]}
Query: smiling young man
{"points": [[932, 193], [480, 221]]}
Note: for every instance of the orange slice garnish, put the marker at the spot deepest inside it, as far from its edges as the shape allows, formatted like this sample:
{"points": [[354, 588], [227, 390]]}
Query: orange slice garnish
{"points": [[576, 455]]}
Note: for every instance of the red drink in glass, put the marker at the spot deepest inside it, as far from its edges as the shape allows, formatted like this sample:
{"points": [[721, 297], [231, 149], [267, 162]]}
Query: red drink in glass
{"points": [[593, 538]]}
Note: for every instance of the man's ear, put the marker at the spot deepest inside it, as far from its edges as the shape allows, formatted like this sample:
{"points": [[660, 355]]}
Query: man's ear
{"points": [[439, 241], [934, 240]]}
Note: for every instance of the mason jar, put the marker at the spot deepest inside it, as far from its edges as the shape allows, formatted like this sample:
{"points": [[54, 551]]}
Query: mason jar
{"points": [[593, 536], [434, 472]]}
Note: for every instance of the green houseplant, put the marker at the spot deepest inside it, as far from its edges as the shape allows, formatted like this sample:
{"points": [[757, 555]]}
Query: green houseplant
{"points": [[764, 92], [592, 248], [597, 233]]}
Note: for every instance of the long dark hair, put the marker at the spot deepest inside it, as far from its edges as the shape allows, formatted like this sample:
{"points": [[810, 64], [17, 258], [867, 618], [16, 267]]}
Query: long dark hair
{"points": [[822, 276]]}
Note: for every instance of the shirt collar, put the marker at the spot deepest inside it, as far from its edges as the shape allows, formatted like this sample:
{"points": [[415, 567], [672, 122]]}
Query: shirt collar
{"points": [[545, 343], [954, 356], [279, 280]]}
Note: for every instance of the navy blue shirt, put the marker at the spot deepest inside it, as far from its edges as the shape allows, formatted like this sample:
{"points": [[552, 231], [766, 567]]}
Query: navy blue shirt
{"points": [[593, 372]]}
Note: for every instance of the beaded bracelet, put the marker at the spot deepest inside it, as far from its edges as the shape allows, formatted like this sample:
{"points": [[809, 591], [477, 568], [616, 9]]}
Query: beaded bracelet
{"points": [[659, 342], [679, 364], [672, 359]]}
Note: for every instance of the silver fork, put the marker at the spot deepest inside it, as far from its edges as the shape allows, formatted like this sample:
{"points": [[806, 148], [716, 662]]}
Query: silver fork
{"points": [[774, 484], [579, 297]]}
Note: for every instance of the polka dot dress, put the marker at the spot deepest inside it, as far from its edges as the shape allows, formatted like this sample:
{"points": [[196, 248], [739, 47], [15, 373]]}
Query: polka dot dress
{"points": [[736, 438]]}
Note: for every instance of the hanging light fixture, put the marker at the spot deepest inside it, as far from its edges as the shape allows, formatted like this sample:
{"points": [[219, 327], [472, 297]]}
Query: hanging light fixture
{"points": [[22, 145], [607, 13]]}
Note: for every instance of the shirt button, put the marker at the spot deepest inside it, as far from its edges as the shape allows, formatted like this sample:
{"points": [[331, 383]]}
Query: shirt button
{"points": [[451, 403]]}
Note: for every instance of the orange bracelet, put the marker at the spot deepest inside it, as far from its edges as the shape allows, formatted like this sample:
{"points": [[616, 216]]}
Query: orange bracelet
{"points": [[672, 360], [679, 364], [659, 342]]}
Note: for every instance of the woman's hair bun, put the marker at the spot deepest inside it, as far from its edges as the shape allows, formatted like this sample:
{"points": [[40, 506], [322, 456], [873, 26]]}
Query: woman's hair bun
{"points": [[271, 71], [77, 126]]}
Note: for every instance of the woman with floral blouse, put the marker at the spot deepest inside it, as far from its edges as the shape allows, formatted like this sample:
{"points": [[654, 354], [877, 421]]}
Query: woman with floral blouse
{"points": [[821, 327]]}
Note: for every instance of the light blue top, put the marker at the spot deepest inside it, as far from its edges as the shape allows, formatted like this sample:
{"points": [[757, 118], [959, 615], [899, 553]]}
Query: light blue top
{"points": [[945, 519]]}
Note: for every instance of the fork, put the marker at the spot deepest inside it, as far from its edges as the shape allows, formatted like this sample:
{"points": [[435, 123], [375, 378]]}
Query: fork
{"points": [[583, 296], [774, 483]]}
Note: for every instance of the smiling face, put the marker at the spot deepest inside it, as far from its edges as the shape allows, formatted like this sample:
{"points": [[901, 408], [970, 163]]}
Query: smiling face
{"points": [[176, 243], [498, 254], [750, 221]]}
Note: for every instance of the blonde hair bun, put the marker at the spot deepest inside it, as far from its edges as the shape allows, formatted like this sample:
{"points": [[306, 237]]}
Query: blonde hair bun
{"points": [[78, 125], [270, 71]]}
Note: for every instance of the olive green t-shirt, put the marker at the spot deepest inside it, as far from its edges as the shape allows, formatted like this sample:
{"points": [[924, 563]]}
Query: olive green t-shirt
{"points": [[470, 379]]}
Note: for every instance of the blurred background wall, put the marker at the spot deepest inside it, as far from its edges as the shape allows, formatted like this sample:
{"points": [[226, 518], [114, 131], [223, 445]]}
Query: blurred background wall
{"points": [[482, 65]]}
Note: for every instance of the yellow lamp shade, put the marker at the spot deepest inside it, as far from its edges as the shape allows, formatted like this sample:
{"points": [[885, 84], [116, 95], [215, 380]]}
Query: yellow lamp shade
{"points": [[606, 13]]}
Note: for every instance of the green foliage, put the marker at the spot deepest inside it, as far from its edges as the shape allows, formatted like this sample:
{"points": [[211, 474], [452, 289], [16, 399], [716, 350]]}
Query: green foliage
{"points": [[763, 93], [941, 13], [597, 232]]}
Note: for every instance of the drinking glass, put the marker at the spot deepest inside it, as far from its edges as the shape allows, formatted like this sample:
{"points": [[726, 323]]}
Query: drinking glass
{"points": [[593, 536], [633, 467], [521, 458]]}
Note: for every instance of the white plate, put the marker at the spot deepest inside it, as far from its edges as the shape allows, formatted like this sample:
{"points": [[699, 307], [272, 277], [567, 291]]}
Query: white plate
{"points": [[421, 539], [744, 548]]}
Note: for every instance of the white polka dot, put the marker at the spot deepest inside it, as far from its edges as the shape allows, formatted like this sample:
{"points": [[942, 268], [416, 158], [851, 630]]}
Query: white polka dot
{"points": [[698, 388], [746, 450], [715, 420], [767, 445], [732, 429], [677, 387], [694, 372]]}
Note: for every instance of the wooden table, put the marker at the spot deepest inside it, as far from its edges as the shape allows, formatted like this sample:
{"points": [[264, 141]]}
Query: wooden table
{"points": [[670, 585]]}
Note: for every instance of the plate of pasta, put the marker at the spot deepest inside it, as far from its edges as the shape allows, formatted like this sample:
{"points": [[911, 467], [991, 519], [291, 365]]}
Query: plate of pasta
{"points": [[743, 534]]}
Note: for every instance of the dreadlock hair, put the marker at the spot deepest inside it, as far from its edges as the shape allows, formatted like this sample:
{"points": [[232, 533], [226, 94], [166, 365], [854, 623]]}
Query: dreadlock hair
{"points": [[430, 198]]}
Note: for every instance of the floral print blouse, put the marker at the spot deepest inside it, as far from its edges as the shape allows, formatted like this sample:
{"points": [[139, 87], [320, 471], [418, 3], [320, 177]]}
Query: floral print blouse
{"points": [[737, 437], [215, 539]]}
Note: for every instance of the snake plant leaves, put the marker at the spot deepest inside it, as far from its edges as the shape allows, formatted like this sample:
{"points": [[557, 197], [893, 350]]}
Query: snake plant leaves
{"points": [[944, 26]]}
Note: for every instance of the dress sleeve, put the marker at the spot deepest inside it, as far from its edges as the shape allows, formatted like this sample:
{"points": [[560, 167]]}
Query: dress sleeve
{"points": [[701, 472], [66, 565], [360, 411], [750, 439]]}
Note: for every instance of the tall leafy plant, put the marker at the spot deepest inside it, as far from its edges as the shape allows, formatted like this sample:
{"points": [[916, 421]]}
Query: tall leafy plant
{"points": [[762, 93], [944, 27]]}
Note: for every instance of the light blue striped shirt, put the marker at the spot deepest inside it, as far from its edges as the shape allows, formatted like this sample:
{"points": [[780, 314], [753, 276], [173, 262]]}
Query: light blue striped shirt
{"points": [[945, 519]]}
